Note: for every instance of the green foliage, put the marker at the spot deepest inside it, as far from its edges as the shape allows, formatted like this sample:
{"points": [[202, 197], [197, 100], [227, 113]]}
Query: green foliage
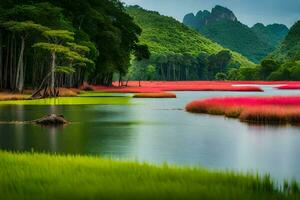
{"points": [[142, 52], [267, 67], [273, 34], [78, 48], [220, 25], [234, 74], [64, 69], [175, 47], [66, 51], [57, 35], [221, 76], [283, 63], [15, 26], [150, 72], [287, 71], [289, 50], [41, 176], [165, 35], [249, 73], [89, 27]]}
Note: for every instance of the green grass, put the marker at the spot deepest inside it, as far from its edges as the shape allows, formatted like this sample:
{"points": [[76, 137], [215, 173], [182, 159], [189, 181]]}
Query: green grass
{"points": [[40, 176], [92, 99]]}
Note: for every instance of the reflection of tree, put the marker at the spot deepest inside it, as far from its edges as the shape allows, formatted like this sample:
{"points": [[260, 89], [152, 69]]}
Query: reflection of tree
{"points": [[95, 129], [19, 133], [112, 134]]}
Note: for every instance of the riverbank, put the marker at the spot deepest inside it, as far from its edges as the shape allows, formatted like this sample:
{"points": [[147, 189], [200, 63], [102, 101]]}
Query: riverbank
{"points": [[41, 176], [159, 87], [12, 96]]}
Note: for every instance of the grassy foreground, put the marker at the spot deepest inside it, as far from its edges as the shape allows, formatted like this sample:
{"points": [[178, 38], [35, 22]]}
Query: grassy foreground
{"points": [[40, 176]]}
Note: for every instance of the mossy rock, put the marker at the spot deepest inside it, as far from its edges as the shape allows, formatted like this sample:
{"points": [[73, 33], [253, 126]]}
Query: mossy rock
{"points": [[51, 120]]}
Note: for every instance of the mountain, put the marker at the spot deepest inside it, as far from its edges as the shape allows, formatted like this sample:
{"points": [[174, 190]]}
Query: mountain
{"points": [[289, 49], [273, 34], [204, 18], [165, 35], [223, 27]]}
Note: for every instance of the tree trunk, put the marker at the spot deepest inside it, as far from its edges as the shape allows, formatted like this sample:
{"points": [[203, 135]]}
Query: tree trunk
{"points": [[174, 73], [53, 57], [1, 60], [6, 68], [20, 68], [186, 73], [162, 72], [120, 80]]}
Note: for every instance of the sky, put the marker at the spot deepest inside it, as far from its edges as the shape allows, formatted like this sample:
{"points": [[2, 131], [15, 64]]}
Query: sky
{"points": [[247, 11]]}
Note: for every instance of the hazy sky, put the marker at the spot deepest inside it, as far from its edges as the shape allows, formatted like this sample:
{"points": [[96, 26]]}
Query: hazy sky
{"points": [[248, 11]]}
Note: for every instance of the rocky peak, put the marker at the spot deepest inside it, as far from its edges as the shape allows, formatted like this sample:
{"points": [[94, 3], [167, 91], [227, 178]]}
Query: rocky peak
{"points": [[221, 13], [202, 18], [258, 26]]}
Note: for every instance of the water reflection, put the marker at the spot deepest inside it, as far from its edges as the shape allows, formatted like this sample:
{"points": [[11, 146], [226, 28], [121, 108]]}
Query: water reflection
{"points": [[159, 130]]}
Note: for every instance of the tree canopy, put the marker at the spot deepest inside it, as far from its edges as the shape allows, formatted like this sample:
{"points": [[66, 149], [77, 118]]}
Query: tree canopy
{"points": [[98, 33]]}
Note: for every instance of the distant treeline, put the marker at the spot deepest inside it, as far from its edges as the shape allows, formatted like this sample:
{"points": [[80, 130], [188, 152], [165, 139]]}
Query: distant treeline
{"points": [[178, 67]]}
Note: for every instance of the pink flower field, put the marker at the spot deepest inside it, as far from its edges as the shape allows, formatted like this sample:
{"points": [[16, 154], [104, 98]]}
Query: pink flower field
{"points": [[268, 110]]}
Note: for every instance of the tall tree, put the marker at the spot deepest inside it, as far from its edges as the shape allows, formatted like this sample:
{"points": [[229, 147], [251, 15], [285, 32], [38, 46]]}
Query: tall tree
{"points": [[23, 29], [69, 51]]}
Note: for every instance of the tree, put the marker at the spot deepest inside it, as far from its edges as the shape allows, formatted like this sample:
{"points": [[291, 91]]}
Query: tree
{"points": [[69, 51], [56, 37], [150, 72], [223, 59], [233, 74], [249, 73], [101, 25], [221, 76], [141, 52], [23, 29], [267, 67], [141, 70]]}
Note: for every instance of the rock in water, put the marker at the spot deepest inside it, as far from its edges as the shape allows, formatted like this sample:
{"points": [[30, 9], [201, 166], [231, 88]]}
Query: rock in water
{"points": [[52, 120]]}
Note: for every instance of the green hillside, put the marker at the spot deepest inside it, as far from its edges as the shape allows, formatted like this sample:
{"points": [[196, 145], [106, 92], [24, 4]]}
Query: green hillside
{"points": [[222, 26], [289, 50], [166, 36], [273, 34], [284, 62]]}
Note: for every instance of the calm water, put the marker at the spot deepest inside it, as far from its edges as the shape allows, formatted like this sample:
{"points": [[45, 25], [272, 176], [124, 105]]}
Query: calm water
{"points": [[159, 130]]}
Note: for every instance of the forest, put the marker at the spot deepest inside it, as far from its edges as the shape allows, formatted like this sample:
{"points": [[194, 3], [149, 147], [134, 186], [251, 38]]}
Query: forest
{"points": [[61, 43]]}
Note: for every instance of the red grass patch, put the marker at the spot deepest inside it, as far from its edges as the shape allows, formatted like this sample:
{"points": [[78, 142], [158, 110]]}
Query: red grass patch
{"points": [[267, 110], [289, 87], [160, 86], [155, 95]]}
